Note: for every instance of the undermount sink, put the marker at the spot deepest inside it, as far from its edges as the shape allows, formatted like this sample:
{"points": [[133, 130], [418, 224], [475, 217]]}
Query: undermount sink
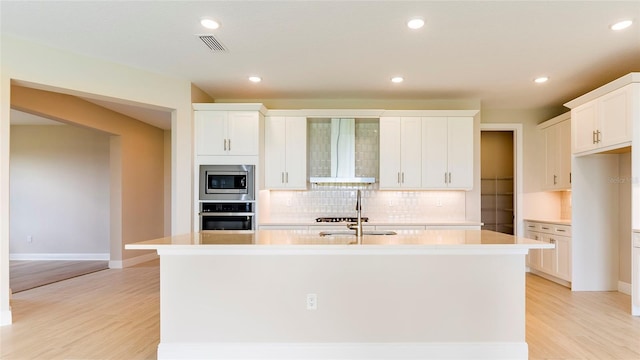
{"points": [[353, 233]]}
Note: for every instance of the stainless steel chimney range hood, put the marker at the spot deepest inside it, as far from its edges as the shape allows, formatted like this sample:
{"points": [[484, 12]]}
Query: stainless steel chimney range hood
{"points": [[343, 155]]}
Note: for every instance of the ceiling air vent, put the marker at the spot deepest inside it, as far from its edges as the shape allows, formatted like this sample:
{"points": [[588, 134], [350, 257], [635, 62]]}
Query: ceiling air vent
{"points": [[212, 43]]}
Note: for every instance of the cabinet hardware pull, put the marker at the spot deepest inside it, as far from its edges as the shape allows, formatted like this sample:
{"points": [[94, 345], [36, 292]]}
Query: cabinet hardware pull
{"points": [[552, 241], [229, 144], [403, 177], [445, 178], [545, 228], [225, 144], [449, 178], [286, 177], [398, 178], [282, 177], [555, 178], [561, 230], [593, 137], [598, 136], [569, 177]]}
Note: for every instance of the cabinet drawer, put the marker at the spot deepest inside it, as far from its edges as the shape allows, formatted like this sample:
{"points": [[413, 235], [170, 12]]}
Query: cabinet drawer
{"points": [[547, 228], [531, 226], [564, 230]]}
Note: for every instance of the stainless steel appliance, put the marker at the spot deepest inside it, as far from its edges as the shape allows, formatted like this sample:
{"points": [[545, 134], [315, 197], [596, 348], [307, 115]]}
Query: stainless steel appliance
{"points": [[227, 182], [227, 216]]}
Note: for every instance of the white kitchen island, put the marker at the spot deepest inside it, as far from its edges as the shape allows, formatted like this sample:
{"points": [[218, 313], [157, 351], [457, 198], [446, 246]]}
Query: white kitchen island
{"points": [[295, 295]]}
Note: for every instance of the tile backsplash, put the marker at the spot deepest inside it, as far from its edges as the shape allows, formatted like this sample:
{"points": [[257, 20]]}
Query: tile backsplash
{"points": [[367, 147], [323, 200]]}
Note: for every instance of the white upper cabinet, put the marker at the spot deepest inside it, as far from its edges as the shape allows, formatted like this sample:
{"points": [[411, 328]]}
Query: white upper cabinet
{"points": [[604, 123], [447, 153], [557, 150], [227, 132], [400, 156], [285, 152], [426, 153]]}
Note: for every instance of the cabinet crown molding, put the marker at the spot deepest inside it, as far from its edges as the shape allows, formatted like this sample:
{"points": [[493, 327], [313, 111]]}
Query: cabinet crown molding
{"points": [[369, 113], [556, 120], [630, 78], [230, 107]]}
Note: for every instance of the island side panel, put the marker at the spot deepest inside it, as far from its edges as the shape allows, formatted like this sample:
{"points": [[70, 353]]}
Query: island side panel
{"points": [[360, 299]]}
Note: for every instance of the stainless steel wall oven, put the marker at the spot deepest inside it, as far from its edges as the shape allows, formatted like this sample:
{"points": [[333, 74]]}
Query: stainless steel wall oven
{"points": [[227, 216]]}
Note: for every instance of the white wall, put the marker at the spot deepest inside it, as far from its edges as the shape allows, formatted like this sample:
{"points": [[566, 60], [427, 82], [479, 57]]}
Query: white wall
{"points": [[624, 220], [59, 191]]}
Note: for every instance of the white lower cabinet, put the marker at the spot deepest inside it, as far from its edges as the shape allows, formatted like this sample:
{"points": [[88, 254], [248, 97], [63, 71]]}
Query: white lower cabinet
{"points": [[555, 262], [635, 276]]}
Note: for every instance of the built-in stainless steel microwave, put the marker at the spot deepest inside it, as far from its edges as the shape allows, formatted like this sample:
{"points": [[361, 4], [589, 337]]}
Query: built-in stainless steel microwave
{"points": [[227, 182]]}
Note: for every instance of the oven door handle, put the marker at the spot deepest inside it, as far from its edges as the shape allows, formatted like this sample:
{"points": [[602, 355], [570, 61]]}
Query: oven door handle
{"points": [[227, 214]]}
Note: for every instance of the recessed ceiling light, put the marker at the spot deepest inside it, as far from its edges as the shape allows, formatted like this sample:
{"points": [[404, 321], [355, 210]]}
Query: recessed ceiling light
{"points": [[397, 79], [415, 23], [209, 23], [541, 79], [255, 79], [621, 25]]}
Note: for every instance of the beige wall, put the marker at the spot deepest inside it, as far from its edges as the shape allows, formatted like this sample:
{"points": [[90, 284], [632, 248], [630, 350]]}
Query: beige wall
{"points": [[141, 168], [43, 67], [59, 192]]}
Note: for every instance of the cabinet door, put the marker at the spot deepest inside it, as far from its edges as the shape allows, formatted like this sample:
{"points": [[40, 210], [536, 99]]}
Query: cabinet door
{"points": [[460, 152], [564, 158], [548, 257], [615, 117], [635, 280], [211, 132], [390, 153], [434, 152], [563, 257], [296, 153], [552, 153], [534, 258], [410, 155], [583, 126], [274, 152], [243, 132]]}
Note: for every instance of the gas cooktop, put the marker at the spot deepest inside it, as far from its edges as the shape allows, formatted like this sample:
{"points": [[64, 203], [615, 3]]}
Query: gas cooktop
{"points": [[341, 219]]}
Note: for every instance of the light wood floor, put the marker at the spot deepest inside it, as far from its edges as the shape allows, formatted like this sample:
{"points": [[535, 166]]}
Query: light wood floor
{"points": [[114, 314], [25, 275]]}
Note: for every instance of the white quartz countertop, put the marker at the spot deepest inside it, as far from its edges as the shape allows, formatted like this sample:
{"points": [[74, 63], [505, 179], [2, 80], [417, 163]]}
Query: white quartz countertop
{"points": [[551, 221], [310, 242]]}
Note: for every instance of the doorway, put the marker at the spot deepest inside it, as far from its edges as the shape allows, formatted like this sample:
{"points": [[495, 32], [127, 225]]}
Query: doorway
{"points": [[59, 204], [498, 186]]}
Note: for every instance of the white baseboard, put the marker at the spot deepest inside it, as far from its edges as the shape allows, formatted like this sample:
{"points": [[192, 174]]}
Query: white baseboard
{"points": [[624, 288], [119, 264], [514, 350], [556, 280], [61, 256], [5, 318]]}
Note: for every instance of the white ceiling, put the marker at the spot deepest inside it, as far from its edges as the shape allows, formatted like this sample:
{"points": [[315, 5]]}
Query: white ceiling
{"points": [[486, 50]]}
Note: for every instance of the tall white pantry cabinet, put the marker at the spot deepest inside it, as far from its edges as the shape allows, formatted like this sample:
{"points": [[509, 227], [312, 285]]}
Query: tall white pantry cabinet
{"points": [[605, 126]]}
